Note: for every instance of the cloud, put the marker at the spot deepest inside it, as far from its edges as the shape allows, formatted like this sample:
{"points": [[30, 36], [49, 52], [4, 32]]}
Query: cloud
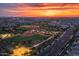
{"points": [[40, 9]]}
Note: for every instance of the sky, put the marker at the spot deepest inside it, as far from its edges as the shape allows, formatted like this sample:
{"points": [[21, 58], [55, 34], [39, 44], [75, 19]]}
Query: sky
{"points": [[39, 10]]}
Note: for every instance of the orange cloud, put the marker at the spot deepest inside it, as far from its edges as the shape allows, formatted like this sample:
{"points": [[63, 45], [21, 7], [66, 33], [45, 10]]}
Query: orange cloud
{"points": [[46, 10]]}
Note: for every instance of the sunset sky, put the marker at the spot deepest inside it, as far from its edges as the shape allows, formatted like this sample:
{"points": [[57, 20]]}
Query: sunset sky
{"points": [[39, 10]]}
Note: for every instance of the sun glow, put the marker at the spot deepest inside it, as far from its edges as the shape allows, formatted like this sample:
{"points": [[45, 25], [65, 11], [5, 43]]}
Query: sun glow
{"points": [[51, 13]]}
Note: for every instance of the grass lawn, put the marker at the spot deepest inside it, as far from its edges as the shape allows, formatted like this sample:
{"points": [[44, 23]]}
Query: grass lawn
{"points": [[21, 30], [18, 39]]}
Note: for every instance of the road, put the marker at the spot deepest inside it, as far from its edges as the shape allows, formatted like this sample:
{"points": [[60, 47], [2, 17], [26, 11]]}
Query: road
{"points": [[58, 46], [43, 41]]}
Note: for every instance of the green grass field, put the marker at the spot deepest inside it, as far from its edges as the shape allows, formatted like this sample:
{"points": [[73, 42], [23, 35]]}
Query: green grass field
{"points": [[20, 39]]}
